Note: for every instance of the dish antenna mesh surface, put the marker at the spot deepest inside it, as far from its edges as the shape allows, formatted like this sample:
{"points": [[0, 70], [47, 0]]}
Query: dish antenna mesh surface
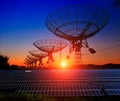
{"points": [[76, 23], [33, 60], [50, 46], [32, 57], [29, 62], [39, 54]]}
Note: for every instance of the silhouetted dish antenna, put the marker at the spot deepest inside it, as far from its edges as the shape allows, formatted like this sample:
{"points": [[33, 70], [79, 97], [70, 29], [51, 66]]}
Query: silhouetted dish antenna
{"points": [[50, 46], [39, 54], [33, 58], [28, 62], [77, 23]]}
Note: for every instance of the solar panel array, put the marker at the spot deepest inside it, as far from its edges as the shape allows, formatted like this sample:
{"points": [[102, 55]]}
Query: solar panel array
{"points": [[59, 88]]}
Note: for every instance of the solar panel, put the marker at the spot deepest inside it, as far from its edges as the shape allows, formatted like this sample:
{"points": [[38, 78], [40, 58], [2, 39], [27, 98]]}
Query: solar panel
{"points": [[113, 92], [62, 87], [83, 86]]}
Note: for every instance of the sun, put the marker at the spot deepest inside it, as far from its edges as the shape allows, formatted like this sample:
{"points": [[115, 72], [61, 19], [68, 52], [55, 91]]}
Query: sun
{"points": [[63, 64]]}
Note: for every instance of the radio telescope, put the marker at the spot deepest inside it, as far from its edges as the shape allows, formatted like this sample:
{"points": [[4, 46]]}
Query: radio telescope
{"points": [[77, 23], [28, 62], [39, 54], [33, 59], [50, 46]]}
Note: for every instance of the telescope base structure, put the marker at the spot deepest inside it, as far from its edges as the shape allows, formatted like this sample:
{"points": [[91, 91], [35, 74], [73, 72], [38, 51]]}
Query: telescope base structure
{"points": [[78, 58]]}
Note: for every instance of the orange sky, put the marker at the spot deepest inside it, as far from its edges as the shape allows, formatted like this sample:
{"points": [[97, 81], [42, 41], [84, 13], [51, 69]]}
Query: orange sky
{"points": [[101, 57]]}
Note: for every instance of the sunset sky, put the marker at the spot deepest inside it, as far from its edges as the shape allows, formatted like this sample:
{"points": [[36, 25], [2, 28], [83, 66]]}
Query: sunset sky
{"points": [[23, 21]]}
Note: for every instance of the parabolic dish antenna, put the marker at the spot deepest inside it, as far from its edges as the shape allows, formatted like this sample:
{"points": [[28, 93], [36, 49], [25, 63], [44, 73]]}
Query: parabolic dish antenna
{"points": [[39, 54], [76, 23], [33, 58], [28, 62], [50, 46]]}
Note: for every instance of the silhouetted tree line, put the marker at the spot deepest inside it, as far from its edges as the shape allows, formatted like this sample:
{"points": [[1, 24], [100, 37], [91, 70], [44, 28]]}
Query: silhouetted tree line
{"points": [[4, 64]]}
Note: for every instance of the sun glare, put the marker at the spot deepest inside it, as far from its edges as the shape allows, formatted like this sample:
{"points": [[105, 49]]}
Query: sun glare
{"points": [[63, 64]]}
